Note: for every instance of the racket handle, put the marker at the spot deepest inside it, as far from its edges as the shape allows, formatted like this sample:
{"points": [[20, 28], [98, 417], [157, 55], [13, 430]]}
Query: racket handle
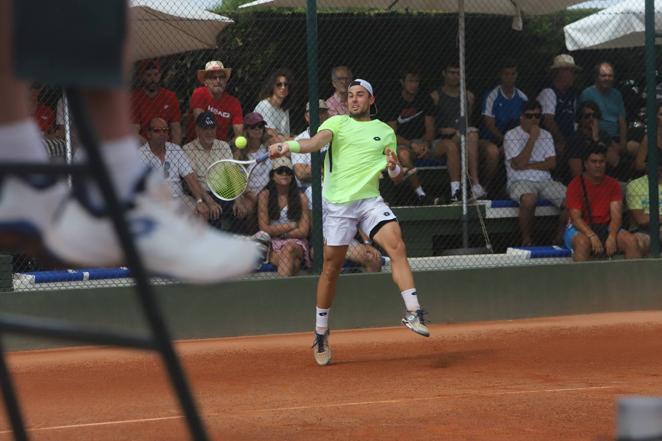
{"points": [[262, 157]]}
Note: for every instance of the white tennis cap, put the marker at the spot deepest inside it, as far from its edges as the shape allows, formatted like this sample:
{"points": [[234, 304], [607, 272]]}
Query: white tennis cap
{"points": [[363, 83]]}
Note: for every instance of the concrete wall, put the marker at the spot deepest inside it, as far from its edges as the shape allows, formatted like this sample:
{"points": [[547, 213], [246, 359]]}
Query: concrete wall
{"points": [[363, 300]]}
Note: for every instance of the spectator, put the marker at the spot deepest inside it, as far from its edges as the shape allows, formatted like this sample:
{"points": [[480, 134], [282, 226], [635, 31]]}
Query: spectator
{"points": [[301, 161], [169, 159], [204, 150], [642, 153], [638, 202], [612, 109], [275, 103], [588, 133], [283, 214], [595, 202], [41, 113], [245, 206], [447, 101], [341, 76], [153, 101], [502, 108], [214, 98], [559, 101], [411, 115], [530, 157]]}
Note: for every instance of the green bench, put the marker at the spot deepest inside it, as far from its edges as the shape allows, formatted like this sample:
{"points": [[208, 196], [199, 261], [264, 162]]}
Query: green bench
{"points": [[428, 230]]}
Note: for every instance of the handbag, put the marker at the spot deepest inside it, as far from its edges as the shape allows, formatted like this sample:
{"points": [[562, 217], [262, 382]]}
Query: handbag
{"points": [[600, 230]]}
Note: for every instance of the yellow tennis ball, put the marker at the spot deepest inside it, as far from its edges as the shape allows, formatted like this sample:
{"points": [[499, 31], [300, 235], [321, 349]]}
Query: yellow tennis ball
{"points": [[240, 142]]}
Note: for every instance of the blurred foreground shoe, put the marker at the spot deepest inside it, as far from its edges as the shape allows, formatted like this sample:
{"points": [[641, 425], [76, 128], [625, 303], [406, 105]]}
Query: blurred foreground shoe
{"points": [[26, 211], [170, 244]]}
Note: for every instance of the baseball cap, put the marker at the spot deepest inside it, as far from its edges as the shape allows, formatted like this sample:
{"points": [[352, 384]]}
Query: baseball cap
{"points": [[363, 83], [322, 105], [283, 161], [253, 118], [206, 120]]}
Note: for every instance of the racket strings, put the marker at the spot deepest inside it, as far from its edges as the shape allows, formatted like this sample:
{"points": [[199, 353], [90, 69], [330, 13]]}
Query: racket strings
{"points": [[227, 180]]}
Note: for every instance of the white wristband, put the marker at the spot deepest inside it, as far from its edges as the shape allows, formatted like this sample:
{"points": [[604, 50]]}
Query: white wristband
{"points": [[395, 172]]}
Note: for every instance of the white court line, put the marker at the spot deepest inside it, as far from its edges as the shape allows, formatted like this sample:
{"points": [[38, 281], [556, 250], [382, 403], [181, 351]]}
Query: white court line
{"points": [[318, 406]]}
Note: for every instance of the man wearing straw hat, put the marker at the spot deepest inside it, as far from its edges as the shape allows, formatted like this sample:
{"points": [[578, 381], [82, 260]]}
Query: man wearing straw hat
{"points": [[212, 97], [559, 101]]}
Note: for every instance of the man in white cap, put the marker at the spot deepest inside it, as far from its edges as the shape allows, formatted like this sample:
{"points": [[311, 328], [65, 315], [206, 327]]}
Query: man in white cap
{"points": [[212, 97], [359, 150], [559, 101]]}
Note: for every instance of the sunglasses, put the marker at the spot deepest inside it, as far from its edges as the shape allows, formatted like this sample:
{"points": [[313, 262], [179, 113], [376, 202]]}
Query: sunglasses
{"points": [[159, 130], [282, 84], [536, 115], [256, 126], [284, 170], [216, 77], [589, 115]]}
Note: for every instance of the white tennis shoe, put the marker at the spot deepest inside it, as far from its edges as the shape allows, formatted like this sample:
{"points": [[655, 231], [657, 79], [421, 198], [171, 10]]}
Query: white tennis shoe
{"points": [[26, 209], [170, 244]]}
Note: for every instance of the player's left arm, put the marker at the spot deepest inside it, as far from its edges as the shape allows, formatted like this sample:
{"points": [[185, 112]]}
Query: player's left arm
{"points": [[395, 171]]}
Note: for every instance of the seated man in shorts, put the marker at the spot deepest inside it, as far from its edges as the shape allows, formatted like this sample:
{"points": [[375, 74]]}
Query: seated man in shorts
{"points": [[530, 158], [595, 202]]}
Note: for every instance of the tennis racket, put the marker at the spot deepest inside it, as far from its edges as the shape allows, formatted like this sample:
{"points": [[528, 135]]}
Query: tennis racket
{"points": [[228, 179]]}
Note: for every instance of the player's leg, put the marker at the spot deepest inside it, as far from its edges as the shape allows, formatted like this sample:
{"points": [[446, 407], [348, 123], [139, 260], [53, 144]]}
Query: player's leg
{"points": [[334, 256], [380, 224], [26, 203], [389, 238], [339, 230]]}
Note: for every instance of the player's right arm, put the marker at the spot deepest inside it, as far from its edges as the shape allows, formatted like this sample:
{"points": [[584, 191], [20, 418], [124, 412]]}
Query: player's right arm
{"points": [[314, 144]]}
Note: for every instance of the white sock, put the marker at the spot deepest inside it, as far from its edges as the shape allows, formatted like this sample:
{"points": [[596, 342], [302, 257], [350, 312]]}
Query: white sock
{"points": [[21, 141], [455, 186], [124, 164], [321, 320], [411, 299], [419, 191]]}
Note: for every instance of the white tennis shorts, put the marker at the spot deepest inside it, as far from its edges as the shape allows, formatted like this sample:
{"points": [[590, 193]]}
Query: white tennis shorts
{"points": [[342, 220]]}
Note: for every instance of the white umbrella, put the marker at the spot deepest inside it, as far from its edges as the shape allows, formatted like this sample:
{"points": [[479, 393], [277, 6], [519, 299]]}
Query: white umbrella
{"points": [[165, 27], [619, 26]]}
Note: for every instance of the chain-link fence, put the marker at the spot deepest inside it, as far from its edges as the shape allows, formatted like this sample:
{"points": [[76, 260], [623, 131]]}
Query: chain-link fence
{"points": [[538, 116]]}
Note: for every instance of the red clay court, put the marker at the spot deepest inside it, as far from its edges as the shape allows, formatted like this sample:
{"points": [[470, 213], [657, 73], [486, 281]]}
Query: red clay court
{"points": [[539, 379]]}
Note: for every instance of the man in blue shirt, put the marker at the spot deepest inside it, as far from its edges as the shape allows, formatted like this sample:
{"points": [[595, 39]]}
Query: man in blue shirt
{"points": [[610, 102], [501, 111]]}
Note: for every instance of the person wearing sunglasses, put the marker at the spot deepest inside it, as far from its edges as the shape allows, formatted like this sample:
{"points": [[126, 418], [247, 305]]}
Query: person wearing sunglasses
{"points": [[588, 131], [282, 212], [170, 160], [213, 96], [275, 103], [245, 206], [530, 158]]}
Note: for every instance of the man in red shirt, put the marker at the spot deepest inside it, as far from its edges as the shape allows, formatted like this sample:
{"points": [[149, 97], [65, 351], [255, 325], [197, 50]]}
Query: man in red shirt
{"points": [[153, 101], [595, 203], [212, 97]]}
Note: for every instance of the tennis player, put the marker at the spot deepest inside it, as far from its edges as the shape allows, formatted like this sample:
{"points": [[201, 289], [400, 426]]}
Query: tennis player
{"points": [[360, 149]]}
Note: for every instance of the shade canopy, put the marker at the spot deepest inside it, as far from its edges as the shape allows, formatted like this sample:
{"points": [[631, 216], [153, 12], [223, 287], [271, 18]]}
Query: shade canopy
{"points": [[165, 27], [619, 26]]}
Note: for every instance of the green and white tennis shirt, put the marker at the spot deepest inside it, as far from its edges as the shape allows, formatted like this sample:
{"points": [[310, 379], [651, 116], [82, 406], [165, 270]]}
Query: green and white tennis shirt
{"points": [[356, 157]]}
